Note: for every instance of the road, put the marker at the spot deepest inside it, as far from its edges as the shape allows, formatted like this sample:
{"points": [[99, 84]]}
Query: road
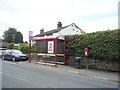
{"points": [[16, 75]]}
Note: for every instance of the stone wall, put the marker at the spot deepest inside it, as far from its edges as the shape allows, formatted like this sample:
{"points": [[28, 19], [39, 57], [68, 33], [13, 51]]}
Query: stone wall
{"points": [[95, 64]]}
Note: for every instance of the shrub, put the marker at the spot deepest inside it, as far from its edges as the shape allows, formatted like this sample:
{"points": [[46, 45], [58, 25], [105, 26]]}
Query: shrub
{"points": [[103, 45], [10, 46], [24, 49], [33, 48]]}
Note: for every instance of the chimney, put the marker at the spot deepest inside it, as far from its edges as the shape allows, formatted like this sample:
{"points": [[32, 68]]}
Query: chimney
{"points": [[59, 25], [42, 31]]}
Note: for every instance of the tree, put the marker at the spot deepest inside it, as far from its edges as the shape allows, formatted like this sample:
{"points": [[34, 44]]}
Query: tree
{"points": [[12, 36], [9, 35], [0, 39], [18, 38]]}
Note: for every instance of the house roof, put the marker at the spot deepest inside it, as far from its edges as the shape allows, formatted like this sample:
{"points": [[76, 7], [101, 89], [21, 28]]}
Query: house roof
{"points": [[57, 30]]}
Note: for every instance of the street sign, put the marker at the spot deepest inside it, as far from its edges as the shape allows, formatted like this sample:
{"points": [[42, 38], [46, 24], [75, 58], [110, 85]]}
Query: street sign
{"points": [[16, 45], [30, 34], [86, 51]]}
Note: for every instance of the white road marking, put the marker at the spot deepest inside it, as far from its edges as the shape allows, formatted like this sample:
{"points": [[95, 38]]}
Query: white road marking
{"points": [[14, 77], [100, 77]]}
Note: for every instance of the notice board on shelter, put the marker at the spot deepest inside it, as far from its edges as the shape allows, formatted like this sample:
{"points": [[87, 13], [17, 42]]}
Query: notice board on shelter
{"points": [[50, 46]]}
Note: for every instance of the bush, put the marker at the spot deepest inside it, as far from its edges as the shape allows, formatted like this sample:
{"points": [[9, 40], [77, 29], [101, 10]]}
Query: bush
{"points": [[16, 48], [10, 46], [24, 49], [103, 45], [33, 48]]}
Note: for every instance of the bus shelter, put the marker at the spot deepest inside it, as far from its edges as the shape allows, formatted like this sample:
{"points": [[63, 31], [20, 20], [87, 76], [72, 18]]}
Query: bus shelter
{"points": [[50, 49]]}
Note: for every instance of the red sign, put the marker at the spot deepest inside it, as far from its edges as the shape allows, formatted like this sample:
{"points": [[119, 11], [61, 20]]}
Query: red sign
{"points": [[86, 51], [50, 46]]}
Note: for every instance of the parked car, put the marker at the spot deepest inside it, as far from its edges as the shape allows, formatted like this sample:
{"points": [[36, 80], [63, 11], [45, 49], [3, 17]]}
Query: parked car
{"points": [[14, 55], [2, 51]]}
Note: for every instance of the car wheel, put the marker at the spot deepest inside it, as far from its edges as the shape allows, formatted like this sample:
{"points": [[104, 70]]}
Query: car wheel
{"points": [[13, 58], [3, 57]]}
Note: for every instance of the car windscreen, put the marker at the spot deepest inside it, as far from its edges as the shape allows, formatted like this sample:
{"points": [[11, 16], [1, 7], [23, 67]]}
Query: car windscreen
{"points": [[16, 52]]}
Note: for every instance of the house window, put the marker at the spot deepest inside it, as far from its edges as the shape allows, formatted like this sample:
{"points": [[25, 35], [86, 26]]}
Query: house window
{"points": [[50, 34]]}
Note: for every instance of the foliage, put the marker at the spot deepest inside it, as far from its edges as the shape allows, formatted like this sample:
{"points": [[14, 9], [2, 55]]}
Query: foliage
{"points": [[18, 37], [9, 35], [33, 48], [102, 45], [12, 36], [1, 39], [24, 48], [10, 46]]}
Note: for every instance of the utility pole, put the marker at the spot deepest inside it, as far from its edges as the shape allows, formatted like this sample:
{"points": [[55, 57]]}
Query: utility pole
{"points": [[29, 51]]}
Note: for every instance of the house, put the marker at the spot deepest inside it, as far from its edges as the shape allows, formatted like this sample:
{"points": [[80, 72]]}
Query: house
{"points": [[53, 43], [71, 29]]}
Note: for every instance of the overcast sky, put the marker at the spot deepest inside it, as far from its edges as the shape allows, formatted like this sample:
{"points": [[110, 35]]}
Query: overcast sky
{"points": [[89, 15]]}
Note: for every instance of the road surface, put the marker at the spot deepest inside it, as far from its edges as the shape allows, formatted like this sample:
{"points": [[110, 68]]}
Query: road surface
{"points": [[16, 75]]}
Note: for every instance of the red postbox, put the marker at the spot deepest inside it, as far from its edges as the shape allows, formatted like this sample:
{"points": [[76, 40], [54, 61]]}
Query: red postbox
{"points": [[86, 51]]}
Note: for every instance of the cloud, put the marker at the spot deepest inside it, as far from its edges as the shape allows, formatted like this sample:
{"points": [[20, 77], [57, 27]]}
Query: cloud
{"points": [[89, 15], [99, 25]]}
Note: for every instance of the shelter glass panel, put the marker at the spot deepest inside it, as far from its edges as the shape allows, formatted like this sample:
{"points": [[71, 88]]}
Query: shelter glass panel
{"points": [[60, 47], [42, 46]]}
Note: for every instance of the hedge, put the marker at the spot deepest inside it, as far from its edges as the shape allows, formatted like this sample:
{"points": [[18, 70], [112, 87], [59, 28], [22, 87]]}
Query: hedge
{"points": [[10, 46], [103, 45]]}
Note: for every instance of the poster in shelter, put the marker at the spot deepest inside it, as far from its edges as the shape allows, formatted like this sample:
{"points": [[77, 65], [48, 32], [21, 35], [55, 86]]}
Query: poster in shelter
{"points": [[50, 46]]}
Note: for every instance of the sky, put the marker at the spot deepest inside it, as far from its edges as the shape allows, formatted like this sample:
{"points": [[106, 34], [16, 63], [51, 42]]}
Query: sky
{"points": [[33, 15]]}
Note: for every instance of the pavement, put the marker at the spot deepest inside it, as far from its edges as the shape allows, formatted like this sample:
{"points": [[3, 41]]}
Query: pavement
{"points": [[98, 74]]}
